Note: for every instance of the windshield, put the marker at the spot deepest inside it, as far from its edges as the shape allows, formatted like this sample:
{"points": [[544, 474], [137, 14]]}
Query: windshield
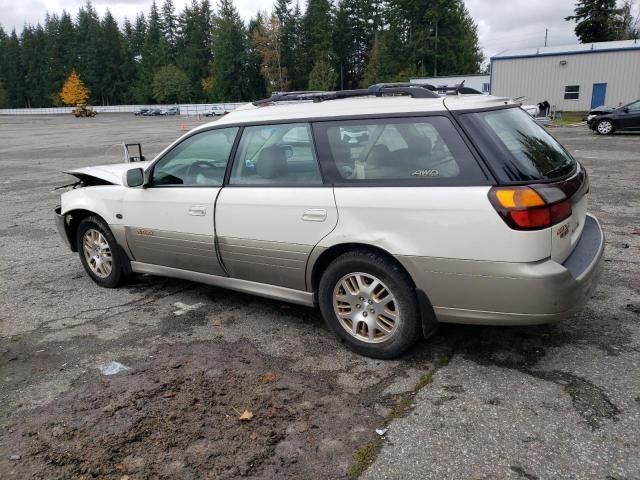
{"points": [[633, 107], [518, 148]]}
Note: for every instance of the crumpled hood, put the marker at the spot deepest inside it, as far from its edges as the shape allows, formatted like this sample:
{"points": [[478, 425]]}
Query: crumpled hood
{"points": [[601, 109], [111, 173]]}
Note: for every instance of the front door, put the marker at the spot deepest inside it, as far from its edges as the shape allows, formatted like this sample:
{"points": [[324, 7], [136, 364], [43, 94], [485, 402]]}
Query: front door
{"points": [[275, 208], [629, 118], [598, 94], [171, 221]]}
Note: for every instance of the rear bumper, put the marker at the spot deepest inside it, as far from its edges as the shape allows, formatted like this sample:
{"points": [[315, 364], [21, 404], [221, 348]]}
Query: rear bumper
{"points": [[60, 225], [506, 293]]}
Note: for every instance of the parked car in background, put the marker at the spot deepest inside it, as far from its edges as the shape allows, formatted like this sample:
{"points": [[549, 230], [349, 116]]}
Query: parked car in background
{"points": [[172, 111], [216, 112], [459, 209], [152, 112], [141, 111], [532, 110], [608, 120]]}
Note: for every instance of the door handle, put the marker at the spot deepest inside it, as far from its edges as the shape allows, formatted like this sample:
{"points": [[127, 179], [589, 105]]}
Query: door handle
{"points": [[197, 211], [314, 215]]}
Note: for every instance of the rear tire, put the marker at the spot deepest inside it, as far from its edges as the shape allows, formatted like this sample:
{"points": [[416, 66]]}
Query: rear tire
{"points": [[370, 304], [100, 254], [605, 127]]}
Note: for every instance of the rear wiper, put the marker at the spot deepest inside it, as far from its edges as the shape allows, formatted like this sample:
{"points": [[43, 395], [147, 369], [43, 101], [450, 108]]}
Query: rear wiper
{"points": [[558, 169]]}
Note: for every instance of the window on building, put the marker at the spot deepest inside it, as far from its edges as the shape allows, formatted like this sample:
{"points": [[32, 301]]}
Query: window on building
{"points": [[572, 92]]}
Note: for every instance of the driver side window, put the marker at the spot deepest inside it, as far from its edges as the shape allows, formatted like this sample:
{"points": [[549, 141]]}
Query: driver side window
{"points": [[199, 160]]}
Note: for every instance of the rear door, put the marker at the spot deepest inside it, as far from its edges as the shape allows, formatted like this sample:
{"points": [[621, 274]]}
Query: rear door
{"points": [[170, 222], [275, 208]]}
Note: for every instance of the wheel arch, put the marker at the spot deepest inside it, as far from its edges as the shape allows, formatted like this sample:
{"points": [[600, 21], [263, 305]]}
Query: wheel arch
{"points": [[321, 257], [72, 219]]}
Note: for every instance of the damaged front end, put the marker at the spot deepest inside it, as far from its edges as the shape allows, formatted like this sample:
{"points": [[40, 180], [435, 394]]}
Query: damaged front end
{"points": [[83, 180], [61, 226]]}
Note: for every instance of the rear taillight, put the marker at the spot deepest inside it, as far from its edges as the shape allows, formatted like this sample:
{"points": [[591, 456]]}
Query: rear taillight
{"points": [[522, 208]]}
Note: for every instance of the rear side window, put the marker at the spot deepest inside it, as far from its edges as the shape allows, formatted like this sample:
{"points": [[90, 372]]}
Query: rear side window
{"points": [[518, 148], [276, 155], [395, 151]]}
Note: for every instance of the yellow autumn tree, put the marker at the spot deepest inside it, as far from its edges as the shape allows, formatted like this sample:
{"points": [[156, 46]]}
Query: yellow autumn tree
{"points": [[74, 91]]}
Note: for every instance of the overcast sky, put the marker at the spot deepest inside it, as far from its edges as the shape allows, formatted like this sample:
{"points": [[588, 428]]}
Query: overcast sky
{"points": [[502, 24]]}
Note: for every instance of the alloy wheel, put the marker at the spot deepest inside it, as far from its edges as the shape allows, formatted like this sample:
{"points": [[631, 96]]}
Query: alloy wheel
{"points": [[97, 253], [366, 308], [605, 127]]}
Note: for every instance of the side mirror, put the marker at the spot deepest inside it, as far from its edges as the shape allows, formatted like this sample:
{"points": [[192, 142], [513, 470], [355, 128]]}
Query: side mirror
{"points": [[134, 178], [625, 109]]}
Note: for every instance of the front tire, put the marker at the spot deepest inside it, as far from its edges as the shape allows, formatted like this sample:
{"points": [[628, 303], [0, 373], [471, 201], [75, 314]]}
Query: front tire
{"points": [[99, 253], [605, 127], [370, 304]]}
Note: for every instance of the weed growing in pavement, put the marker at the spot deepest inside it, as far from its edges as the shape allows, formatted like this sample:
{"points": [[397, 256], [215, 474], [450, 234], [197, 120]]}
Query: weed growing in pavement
{"points": [[364, 456]]}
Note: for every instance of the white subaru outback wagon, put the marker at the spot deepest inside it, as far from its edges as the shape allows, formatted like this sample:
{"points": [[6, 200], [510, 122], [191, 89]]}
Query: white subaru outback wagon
{"points": [[455, 209]]}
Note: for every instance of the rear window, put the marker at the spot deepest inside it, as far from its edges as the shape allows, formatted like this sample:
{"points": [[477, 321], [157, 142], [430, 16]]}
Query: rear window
{"points": [[395, 151], [518, 148]]}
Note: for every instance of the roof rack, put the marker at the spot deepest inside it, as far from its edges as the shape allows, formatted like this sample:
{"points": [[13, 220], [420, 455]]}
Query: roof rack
{"points": [[378, 90], [455, 90]]}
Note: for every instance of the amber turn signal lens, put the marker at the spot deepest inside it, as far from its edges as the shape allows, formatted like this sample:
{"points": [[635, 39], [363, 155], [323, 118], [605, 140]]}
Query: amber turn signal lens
{"points": [[522, 208], [518, 198]]}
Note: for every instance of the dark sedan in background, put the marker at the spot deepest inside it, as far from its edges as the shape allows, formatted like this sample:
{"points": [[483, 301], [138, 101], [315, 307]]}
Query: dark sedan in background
{"points": [[607, 120]]}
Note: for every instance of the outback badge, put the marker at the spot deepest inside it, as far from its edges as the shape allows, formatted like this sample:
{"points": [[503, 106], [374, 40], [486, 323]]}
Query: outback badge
{"points": [[563, 230]]}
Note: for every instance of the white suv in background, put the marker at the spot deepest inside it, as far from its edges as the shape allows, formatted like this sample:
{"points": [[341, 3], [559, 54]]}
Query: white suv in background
{"points": [[450, 209]]}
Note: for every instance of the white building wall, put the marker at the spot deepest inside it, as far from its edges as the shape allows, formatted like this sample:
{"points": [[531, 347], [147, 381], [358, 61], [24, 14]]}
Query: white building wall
{"points": [[545, 78]]}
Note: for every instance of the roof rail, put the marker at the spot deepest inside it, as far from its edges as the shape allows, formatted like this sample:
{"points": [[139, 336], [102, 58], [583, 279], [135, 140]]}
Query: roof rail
{"points": [[455, 90], [378, 90]]}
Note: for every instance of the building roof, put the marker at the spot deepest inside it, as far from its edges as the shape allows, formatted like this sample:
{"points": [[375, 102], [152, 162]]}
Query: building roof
{"points": [[577, 49], [384, 105]]}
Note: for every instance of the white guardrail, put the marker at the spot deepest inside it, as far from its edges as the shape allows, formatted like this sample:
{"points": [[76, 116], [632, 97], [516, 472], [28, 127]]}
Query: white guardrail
{"points": [[185, 109]]}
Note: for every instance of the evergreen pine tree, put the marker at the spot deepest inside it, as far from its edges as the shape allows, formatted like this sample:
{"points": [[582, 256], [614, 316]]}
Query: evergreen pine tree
{"points": [[110, 84], [194, 45], [596, 20], [35, 66], [297, 63], [316, 35], [256, 85], [154, 54], [13, 71], [170, 29], [229, 55], [86, 42], [129, 63]]}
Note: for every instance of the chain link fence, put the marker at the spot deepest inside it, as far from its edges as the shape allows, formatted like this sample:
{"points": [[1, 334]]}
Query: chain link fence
{"points": [[189, 109]]}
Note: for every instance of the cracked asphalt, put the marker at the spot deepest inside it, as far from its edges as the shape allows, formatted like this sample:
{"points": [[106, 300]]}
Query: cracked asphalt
{"points": [[545, 402]]}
